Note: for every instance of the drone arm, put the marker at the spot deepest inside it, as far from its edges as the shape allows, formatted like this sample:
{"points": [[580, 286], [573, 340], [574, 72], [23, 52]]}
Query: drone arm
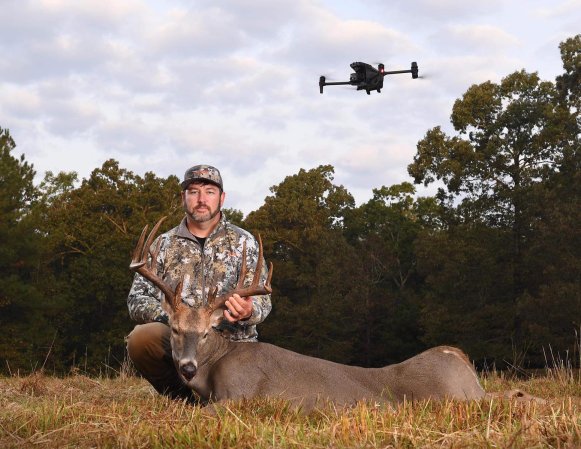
{"points": [[323, 83], [413, 71], [393, 72]]}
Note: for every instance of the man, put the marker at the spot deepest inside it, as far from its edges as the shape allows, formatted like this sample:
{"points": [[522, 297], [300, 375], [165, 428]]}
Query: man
{"points": [[206, 251]]}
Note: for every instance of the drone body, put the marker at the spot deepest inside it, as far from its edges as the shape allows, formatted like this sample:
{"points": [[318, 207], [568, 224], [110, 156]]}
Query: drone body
{"points": [[366, 77]]}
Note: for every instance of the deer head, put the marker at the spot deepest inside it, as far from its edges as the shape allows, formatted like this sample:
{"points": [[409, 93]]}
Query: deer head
{"points": [[194, 337]]}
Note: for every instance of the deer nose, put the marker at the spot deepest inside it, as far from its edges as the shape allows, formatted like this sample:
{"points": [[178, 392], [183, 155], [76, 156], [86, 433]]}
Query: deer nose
{"points": [[188, 371]]}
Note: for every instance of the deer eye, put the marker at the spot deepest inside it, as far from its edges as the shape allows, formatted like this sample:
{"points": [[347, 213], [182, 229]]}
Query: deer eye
{"points": [[174, 330]]}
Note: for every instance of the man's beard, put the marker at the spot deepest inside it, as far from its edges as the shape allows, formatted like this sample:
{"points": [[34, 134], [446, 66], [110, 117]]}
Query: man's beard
{"points": [[204, 215]]}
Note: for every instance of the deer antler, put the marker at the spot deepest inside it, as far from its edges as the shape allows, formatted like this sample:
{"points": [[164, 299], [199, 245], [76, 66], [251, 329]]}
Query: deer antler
{"points": [[141, 265], [253, 289]]}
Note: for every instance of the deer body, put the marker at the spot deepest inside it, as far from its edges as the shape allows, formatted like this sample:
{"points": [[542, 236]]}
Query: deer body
{"points": [[218, 369], [247, 370]]}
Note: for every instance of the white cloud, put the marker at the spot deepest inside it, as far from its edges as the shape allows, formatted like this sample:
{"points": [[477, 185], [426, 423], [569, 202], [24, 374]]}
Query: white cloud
{"points": [[560, 9], [161, 85], [17, 101], [473, 39]]}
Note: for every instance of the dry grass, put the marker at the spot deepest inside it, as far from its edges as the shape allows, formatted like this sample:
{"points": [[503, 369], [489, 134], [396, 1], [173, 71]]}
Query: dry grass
{"points": [[124, 412]]}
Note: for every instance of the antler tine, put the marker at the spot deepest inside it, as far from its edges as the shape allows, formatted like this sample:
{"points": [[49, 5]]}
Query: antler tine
{"points": [[269, 278], [243, 269], [137, 259], [151, 237], [253, 289], [258, 271], [140, 265]]}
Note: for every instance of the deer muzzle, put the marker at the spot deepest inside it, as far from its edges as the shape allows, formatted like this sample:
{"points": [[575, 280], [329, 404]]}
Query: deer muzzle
{"points": [[188, 371]]}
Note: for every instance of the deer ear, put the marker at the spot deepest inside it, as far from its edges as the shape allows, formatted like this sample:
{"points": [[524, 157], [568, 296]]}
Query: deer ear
{"points": [[216, 317], [221, 324]]}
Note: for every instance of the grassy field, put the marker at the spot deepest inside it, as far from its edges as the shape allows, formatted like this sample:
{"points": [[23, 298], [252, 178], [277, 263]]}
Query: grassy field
{"points": [[40, 411]]}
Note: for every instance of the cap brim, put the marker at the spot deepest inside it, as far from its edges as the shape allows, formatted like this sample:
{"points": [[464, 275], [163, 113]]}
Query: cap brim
{"points": [[187, 182]]}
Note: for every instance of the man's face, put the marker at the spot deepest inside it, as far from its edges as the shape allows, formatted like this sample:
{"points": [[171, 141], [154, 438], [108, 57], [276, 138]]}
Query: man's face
{"points": [[202, 202]]}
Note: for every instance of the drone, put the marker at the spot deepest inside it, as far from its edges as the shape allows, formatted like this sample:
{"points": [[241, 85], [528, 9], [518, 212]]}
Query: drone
{"points": [[367, 77]]}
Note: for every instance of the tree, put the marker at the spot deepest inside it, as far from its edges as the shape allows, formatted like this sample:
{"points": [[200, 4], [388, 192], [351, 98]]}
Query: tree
{"points": [[512, 139], [234, 216], [551, 311], [569, 83], [466, 299], [383, 232], [314, 289], [91, 231], [20, 302]]}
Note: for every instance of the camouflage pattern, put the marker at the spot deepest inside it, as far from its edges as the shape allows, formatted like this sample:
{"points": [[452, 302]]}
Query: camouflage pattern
{"points": [[219, 264], [202, 173]]}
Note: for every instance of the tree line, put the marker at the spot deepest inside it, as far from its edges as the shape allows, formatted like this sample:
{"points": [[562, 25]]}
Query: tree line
{"points": [[490, 263]]}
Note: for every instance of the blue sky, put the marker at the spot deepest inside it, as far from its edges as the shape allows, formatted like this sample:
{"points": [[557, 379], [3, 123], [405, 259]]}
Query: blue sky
{"points": [[162, 85]]}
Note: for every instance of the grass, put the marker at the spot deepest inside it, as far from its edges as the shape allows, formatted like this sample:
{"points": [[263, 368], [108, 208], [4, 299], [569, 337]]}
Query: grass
{"points": [[78, 411]]}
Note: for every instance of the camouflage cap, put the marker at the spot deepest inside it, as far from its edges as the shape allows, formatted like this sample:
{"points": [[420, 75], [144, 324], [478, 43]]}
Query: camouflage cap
{"points": [[202, 173]]}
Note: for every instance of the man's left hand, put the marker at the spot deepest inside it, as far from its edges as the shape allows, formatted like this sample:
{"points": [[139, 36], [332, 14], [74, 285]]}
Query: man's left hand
{"points": [[238, 308]]}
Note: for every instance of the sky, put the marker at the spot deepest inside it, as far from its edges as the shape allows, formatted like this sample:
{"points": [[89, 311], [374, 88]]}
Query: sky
{"points": [[161, 85]]}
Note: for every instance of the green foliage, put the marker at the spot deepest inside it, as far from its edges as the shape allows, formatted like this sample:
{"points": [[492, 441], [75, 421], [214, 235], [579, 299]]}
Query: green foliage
{"points": [[383, 232], [569, 83], [511, 176], [16, 177], [508, 136], [314, 289], [90, 232], [468, 290], [21, 304], [234, 216], [551, 303]]}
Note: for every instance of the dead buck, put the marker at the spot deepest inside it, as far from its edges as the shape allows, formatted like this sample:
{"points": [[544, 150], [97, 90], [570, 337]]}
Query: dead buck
{"points": [[217, 368]]}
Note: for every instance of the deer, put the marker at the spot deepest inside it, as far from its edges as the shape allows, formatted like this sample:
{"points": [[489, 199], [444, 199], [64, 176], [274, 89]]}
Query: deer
{"points": [[218, 369]]}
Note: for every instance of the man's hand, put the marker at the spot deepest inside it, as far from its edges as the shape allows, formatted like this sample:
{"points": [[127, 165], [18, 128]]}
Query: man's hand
{"points": [[238, 308]]}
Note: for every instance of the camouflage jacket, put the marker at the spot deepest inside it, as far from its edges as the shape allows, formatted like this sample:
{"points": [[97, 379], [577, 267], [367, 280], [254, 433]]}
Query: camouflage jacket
{"points": [[218, 265]]}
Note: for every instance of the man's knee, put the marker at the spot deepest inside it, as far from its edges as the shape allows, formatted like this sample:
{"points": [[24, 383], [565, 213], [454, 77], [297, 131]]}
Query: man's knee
{"points": [[148, 342]]}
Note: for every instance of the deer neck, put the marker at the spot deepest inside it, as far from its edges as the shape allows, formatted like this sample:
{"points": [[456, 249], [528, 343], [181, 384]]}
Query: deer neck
{"points": [[221, 345]]}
